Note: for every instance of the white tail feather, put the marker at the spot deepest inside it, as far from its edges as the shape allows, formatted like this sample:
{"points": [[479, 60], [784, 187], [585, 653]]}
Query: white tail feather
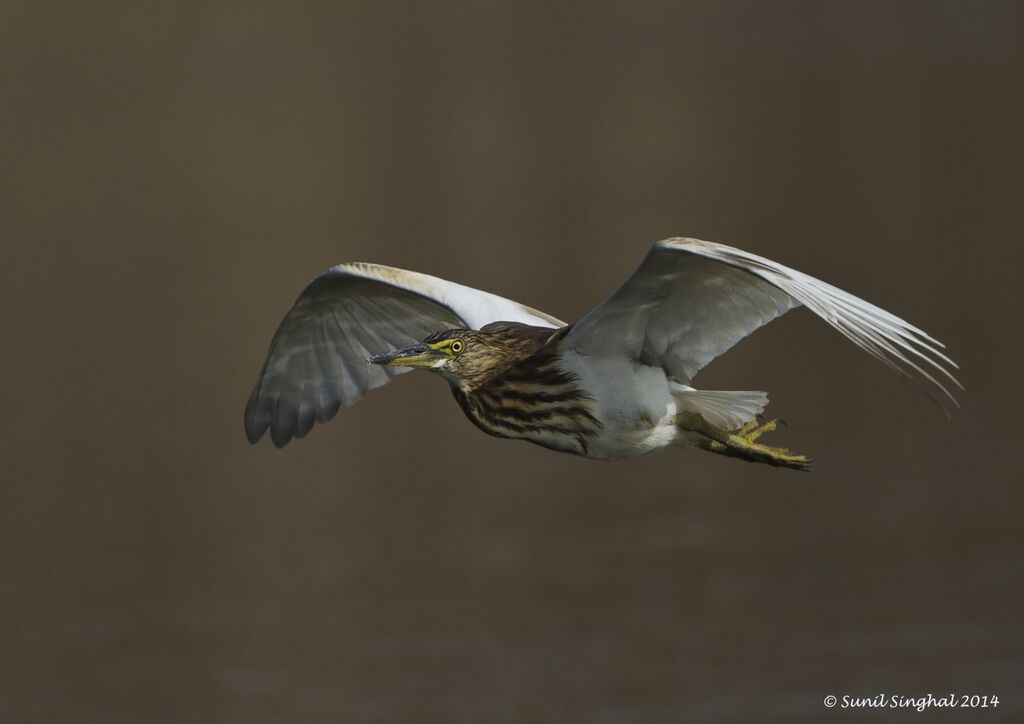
{"points": [[727, 409]]}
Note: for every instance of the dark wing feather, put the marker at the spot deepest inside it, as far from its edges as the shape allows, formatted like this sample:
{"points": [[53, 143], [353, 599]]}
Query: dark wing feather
{"points": [[317, 360]]}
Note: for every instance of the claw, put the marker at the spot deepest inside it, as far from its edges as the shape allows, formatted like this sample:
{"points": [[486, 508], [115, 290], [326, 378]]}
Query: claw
{"points": [[745, 439], [742, 443]]}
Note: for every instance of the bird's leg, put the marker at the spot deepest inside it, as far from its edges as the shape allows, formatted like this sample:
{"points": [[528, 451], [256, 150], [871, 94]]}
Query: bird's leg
{"points": [[742, 443]]}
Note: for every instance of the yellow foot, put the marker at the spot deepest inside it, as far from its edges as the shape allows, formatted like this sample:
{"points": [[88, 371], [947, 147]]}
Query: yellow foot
{"points": [[755, 429], [742, 443], [780, 456]]}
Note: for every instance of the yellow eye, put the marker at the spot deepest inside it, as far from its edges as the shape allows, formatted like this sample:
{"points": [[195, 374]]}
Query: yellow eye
{"points": [[457, 346]]}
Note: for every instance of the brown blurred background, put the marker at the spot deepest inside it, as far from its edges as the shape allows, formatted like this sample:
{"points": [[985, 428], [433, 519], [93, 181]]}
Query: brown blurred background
{"points": [[172, 174]]}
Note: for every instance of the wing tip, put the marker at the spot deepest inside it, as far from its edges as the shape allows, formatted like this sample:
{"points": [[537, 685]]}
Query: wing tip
{"points": [[255, 424], [259, 417], [281, 435], [284, 427], [253, 433]]}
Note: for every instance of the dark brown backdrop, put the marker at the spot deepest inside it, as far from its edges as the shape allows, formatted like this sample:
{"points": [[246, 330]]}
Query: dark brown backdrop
{"points": [[172, 174]]}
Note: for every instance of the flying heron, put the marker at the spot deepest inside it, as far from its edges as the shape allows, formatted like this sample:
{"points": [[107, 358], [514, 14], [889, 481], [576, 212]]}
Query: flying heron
{"points": [[617, 383]]}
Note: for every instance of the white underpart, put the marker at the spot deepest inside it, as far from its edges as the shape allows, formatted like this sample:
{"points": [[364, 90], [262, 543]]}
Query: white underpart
{"points": [[636, 405]]}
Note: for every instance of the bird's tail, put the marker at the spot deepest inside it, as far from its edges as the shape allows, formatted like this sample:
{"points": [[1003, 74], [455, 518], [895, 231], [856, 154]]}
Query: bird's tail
{"points": [[727, 409]]}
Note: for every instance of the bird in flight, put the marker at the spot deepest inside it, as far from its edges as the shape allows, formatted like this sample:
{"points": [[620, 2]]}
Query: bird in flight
{"points": [[615, 384]]}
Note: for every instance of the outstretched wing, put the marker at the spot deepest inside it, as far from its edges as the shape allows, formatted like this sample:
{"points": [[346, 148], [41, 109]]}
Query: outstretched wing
{"points": [[317, 359], [692, 300]]}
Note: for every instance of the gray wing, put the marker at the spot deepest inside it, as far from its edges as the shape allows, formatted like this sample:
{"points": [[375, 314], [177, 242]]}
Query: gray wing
{"points": [[692, 300], [317, 360]]}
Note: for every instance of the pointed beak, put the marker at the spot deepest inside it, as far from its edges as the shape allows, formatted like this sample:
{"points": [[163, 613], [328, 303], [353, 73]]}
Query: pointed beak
{"points": [[418, 355]]}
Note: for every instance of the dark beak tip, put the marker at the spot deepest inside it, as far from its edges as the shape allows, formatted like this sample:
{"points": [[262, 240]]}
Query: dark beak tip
{"points": [[387, 357]]}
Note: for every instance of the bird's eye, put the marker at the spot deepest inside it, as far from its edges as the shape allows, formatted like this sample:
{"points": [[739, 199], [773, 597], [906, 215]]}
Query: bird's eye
{"points": [[457, 346]]}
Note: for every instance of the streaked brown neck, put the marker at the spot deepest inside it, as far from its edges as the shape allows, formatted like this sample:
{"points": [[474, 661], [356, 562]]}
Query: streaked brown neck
{"points": [[534, 399]]}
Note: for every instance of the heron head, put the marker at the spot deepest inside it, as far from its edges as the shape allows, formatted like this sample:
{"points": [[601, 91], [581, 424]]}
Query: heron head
{"points": [[460, 355]]}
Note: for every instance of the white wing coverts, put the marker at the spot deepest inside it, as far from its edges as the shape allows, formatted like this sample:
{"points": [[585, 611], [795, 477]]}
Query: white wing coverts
{"points": [[317, 360], [692, 300]]}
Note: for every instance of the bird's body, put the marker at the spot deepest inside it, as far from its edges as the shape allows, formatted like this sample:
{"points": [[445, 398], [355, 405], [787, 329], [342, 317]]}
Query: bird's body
{"points": [[613, 385], [545, 398]]}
